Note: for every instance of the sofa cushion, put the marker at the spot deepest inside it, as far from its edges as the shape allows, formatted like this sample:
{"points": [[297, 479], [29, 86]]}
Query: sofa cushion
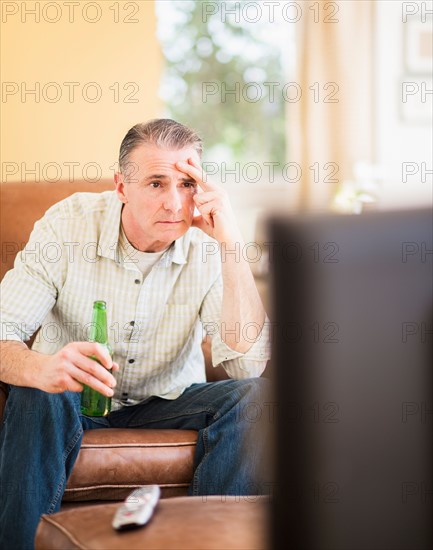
{"points": [[113, 461]]}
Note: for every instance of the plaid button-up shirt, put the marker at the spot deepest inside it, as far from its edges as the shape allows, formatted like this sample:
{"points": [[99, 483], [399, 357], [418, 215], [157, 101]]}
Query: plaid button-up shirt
{"points": [[156, 324]]}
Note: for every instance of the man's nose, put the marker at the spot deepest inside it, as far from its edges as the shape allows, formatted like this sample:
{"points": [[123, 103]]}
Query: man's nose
{"points": [[172, 200]]}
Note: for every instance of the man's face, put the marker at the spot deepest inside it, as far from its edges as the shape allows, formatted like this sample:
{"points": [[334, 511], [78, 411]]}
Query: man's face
{"points": [[158, 198]]}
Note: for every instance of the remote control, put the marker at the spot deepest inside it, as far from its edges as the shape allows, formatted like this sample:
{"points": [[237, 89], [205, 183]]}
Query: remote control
{"points": [[137, 508]]}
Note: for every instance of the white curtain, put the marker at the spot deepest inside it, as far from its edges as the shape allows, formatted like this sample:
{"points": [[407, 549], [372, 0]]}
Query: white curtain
{"points": [[331, 126]]}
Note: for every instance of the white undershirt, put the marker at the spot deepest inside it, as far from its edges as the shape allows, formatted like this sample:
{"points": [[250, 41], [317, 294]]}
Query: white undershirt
{"points": [[143, 260]]}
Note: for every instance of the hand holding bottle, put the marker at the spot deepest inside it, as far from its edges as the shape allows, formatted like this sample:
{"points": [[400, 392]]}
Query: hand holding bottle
{"points": [[71, 368]]}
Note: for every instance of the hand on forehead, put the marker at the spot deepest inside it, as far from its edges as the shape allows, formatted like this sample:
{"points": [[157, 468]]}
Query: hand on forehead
{"points": [[193, 168]]}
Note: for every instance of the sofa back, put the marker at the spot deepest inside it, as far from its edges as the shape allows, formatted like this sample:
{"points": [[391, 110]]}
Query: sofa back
{"points": [[23, 203]]}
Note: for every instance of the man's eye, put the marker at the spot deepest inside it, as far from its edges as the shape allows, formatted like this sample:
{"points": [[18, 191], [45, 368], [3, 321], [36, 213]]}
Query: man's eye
{"points": [[189, 184], [155, 184]]}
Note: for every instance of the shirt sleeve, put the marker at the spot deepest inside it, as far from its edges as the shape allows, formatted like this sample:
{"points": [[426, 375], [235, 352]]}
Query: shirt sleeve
{"points": [[237, 365], [29, 290]]}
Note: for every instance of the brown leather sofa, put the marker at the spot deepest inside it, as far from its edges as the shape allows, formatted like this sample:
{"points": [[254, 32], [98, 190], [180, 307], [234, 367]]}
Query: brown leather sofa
{"points": [[111, 462]]}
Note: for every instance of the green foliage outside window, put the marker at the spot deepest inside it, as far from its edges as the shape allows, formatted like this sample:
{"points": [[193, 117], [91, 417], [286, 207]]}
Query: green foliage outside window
{"points": [[225, 79]]}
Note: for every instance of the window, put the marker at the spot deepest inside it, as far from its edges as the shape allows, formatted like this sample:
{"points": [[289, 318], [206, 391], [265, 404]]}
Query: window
{"points": [[224, 76]]}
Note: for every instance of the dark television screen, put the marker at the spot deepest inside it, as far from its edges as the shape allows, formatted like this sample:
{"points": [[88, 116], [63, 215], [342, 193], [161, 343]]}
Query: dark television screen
{"points": [[352, 375]]}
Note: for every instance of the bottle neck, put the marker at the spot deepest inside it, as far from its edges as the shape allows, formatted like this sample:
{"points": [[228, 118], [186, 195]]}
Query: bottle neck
{"points": [[98, 328]]}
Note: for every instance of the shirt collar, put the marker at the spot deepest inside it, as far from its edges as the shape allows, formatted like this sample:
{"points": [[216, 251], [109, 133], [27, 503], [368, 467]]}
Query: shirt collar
{"points": [[176, 252], [109, 237], [110, 233]]}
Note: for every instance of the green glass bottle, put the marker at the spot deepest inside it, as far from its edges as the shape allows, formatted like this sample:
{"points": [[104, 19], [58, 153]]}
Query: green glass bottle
{"points": [[94, 403]]}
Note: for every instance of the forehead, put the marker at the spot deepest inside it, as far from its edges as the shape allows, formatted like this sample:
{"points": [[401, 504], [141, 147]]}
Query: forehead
{"points": [[149, 157]]}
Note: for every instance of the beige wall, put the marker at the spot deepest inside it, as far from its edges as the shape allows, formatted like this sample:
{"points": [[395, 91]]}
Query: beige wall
{"points": [[103, 52]]}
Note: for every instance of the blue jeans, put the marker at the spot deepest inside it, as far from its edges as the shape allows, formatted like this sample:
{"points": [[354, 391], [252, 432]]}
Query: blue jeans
{"points": [[42, 433]]}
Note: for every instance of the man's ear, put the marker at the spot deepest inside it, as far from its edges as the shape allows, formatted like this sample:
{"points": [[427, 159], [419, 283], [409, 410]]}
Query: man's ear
{"points": [[120, 187]]}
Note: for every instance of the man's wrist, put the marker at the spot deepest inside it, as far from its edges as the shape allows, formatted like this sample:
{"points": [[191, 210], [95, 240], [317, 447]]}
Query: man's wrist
{"points": [[32, 363], [232, 241]]}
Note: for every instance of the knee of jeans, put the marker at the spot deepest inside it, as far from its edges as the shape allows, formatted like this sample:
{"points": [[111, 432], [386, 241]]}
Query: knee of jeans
{"points": [[31, 400], [255, 401], [255, 389]]}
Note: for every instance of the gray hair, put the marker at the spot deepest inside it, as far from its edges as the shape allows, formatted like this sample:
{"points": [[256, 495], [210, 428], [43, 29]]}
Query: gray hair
{"points": [[162, 132]]}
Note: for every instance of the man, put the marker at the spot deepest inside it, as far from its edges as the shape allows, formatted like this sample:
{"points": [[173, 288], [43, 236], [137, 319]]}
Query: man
{"points": [[141, 249]]}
